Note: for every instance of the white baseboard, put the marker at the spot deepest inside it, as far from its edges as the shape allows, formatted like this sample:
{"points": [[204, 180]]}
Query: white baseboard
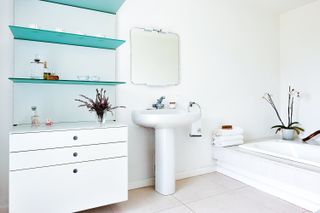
{"points": [[196, 172], [179, 176], [141, 183]]}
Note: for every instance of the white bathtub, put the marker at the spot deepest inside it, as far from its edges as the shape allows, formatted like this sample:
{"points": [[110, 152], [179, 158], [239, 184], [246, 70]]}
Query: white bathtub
{"points": [[286, 169], [295, 151]]}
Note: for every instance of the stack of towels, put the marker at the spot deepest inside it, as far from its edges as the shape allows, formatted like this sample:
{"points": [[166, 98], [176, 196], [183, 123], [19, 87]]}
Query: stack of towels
{"points": [[228, 137]]}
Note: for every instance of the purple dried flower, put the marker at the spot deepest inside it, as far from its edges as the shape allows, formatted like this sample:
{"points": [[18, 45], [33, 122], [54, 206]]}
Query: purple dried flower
{"points": [[100, 105]]}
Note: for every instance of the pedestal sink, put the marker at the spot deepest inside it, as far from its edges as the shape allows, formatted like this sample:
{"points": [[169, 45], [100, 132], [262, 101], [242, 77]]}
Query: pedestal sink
{"points": [[164, 121]]}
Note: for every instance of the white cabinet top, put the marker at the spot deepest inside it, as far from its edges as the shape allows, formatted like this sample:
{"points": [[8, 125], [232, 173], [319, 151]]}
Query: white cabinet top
{"points": [[22, 129]]}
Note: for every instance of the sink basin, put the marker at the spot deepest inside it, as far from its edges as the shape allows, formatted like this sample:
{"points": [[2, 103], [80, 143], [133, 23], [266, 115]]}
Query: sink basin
{"points": [[164, 118], [164, 121]]}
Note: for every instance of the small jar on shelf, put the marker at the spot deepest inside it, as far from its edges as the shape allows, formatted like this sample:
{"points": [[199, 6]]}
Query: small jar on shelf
{"points": [[35, 117], [37, 67]]}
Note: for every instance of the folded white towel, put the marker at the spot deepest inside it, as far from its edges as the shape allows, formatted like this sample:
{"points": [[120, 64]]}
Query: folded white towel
{"points": [[227, 138], [228, 143], [228, 132]]}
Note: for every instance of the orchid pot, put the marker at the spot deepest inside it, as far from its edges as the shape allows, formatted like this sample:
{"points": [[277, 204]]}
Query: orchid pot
{"points": [[288, 134]]}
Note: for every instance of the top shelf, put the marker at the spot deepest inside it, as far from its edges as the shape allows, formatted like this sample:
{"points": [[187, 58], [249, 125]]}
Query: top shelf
{"points": [[105, 6], [39, 35]]}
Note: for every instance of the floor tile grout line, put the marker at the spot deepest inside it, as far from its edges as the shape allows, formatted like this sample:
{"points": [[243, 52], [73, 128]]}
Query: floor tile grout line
{"points": [[218, 194], [188, 207], [245, 185], [184, 204], [220, 184]]}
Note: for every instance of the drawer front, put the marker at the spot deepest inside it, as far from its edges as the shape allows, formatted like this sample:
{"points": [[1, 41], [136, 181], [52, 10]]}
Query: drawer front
{"points": [[45, 140], [69, 188], [49, 157]]}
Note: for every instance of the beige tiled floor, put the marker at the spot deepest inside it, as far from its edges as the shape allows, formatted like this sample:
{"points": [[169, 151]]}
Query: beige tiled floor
{"points": [[212, 193]]}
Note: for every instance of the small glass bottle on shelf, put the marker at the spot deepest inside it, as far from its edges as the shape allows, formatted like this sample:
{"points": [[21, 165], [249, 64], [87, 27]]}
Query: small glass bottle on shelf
{"points": [[35, 117], [37, 68]]}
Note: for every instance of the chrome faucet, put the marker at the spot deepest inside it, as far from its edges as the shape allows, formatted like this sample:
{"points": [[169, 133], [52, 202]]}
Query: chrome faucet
{"points": [[159, 104]]}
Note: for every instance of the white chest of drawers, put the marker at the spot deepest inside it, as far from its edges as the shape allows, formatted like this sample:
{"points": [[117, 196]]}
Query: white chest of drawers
{"points": [[67, 169]]}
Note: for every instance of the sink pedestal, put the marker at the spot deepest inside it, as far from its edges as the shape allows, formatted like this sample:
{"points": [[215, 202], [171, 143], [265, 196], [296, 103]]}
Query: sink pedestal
{"points": [[165, 180], [164, 121]]}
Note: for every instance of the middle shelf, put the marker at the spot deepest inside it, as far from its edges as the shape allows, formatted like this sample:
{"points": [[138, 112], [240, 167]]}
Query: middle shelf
{"points": [[78, 82], [48, 36]]}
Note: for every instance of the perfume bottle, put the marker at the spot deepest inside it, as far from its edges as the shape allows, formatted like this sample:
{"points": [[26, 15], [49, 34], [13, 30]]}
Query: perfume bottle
{"points": [[37, 67], [35, 117]]}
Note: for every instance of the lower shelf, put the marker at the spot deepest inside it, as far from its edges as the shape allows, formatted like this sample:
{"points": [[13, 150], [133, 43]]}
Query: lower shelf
{"points": [[77, 82]]}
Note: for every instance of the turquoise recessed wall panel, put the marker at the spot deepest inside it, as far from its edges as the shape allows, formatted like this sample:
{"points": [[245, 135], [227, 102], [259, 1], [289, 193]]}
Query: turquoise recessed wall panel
{"points": [[107, 6]]}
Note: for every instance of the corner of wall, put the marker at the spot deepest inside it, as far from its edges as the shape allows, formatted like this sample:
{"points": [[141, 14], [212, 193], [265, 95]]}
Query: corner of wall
{"points": [[179, 176], [6, 67]]}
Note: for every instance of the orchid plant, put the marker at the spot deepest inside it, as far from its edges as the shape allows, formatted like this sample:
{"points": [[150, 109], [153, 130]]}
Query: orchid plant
{"points": [[100, 105], [291, 124]]}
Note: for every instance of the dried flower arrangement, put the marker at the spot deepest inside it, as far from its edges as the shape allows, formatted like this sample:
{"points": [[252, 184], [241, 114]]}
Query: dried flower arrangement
{"points": [[291, 124], [100, 105]]}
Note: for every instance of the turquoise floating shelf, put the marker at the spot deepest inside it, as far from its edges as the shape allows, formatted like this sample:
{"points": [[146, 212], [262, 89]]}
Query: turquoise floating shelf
{"points": [[77, 82], [106, 6], [30, 34]]}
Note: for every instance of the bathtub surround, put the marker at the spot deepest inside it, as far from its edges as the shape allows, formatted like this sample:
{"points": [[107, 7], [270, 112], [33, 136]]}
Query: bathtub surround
{"points": [[292, 150], [282, 176], [300, 64]]}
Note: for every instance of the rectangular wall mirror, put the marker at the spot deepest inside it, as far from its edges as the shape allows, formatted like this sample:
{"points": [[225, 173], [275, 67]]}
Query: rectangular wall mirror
{"points": [[154, 57]]}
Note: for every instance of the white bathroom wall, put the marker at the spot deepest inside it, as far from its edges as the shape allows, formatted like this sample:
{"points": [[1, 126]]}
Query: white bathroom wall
{"points": [[229, 53], [6, 68], [300, 62]]}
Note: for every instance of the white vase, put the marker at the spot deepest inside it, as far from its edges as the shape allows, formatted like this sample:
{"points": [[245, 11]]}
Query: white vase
{"points": [[288, 134]]}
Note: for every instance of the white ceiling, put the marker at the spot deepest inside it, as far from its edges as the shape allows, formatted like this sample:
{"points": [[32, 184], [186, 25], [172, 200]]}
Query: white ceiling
{"points": [[281, 6]]}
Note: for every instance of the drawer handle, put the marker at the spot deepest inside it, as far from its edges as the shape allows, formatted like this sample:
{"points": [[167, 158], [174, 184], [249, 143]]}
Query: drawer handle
{"points": [[75, 171], [75, 154], [75, 138]]}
